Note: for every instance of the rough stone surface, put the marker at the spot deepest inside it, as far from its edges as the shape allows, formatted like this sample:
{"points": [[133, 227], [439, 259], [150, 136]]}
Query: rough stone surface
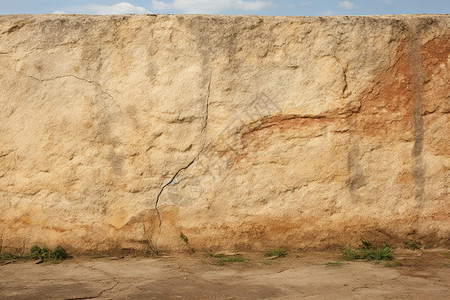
{"points": [[244, 132]]}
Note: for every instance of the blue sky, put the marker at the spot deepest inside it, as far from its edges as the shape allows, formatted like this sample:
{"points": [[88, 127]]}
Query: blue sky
{"points": [[247, 7]]}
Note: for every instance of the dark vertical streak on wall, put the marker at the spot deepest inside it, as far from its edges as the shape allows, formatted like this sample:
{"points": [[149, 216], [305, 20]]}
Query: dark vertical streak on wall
{"points": [[417, 80], [356, 179]]}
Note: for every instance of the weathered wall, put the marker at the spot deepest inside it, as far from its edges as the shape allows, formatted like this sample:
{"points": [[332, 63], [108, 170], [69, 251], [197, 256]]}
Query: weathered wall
{"points": [[241, 132]]}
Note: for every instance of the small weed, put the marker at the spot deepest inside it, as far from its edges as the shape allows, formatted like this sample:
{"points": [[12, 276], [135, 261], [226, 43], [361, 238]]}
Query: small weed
{"points": [[380, 254], [334, 264], [276, 252], [59, 253], [413, 245], [366, 244], [267, 262], [395, 263], [8, 256], [351, 254], [368, 252], [447, 254], [186, 241], [184, 238], [37, 252]]}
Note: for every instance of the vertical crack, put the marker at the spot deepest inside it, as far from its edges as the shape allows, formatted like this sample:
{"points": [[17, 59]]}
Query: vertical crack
{"points": [[195, 158], [207, 103], [344, 74], [346, 83]]}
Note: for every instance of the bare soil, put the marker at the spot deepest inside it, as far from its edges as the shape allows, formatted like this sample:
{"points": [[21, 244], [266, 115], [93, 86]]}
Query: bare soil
{"points": [[318, 275]]}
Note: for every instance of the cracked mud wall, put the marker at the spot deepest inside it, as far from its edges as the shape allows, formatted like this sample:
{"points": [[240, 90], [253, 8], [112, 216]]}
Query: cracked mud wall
{"points": [[242, 132]]}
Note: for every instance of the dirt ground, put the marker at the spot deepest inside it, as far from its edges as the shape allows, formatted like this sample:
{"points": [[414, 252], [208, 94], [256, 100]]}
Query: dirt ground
{"points": [[317, 275]]}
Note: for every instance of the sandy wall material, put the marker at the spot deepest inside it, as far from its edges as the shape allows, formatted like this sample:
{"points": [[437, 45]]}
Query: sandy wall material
{"points": [[244, 132]]}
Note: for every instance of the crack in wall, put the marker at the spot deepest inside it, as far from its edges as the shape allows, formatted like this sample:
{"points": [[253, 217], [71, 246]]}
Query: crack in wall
{"points": [[344, 74], [413, 48], [13, 28], [169, 183], [98, 85], [207, 103], [7, 153], [272, 121], [195, 158]]}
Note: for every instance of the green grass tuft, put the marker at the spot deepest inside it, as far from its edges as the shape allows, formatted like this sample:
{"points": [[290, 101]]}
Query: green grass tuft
{"points": [[59, 253], [8, 256], [37, 252], [184, 238], [276, 252], [368, 252], [413, 245]]}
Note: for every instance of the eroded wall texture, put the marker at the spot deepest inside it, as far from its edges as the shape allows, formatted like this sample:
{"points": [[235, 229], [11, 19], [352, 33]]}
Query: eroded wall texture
{"points": [[120, 132]]}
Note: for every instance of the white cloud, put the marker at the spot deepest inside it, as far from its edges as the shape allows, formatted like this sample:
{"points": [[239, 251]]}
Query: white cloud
{"points": [[210, 6], [346, 4], [97, 9], [59, 12]]}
